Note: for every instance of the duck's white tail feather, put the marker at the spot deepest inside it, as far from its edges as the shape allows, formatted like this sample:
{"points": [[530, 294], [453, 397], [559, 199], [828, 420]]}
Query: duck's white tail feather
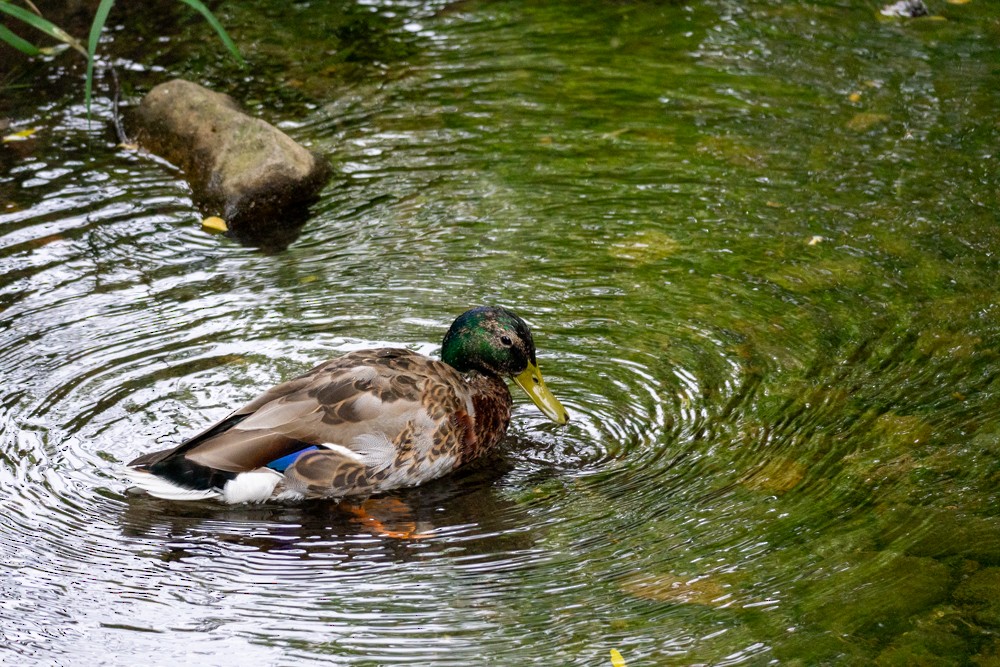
{"points": [[255, 486], [161, 488]]}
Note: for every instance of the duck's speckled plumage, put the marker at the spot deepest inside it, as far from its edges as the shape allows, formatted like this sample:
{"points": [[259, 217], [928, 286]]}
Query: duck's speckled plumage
{"points": [[366, 422]]}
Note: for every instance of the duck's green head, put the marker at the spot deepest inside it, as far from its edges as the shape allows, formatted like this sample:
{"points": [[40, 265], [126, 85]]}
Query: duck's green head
{"points": [[495, 341]]}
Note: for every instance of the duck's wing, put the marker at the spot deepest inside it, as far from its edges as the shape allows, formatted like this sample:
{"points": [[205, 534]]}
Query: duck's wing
{"points": [[253, 447]]}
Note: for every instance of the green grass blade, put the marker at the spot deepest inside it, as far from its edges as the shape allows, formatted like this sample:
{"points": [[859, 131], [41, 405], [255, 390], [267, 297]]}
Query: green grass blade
{"points": [[100, 18], [21, 45], [38, 23], [214, 22]]}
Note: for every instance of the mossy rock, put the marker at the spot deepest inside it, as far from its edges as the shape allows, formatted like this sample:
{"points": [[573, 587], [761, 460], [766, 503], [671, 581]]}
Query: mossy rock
{"points": [[947, 533], [241, 168], [980, 593], [936, 641], [880, 596]]}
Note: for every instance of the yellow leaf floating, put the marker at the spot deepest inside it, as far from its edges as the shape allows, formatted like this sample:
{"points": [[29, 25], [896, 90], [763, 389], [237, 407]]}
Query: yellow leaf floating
{"points": [[215, 224], [20, 136], [616, 659]]}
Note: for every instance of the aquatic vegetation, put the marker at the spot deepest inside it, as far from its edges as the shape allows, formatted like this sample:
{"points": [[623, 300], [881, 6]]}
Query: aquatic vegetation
{"points": [[30, 17]]}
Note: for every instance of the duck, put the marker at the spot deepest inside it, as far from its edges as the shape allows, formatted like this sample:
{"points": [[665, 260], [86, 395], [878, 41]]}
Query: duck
{"points": [[361, 424]]}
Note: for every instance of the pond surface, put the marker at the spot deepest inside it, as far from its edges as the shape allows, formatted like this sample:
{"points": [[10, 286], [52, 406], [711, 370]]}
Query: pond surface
{"points": [[758, 244]]}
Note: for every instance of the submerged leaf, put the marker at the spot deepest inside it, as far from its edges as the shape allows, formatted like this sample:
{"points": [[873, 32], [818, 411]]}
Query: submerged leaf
{"points": [[865, 121], [777, 476], [671, 588], [645, 247]]}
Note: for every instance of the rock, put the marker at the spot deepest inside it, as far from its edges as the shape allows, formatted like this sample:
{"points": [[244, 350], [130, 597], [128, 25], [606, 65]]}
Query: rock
{"points": [[936, 640], [245, 170], [944, 534], [877, 595], [980, 595]]}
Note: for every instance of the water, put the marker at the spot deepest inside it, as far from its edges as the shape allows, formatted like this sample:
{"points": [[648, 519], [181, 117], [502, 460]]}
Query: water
{"points": [[757, 244]]}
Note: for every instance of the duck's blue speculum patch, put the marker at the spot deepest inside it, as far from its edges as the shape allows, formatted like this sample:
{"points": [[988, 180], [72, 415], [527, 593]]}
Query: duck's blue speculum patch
{"points": [[282, 464]]}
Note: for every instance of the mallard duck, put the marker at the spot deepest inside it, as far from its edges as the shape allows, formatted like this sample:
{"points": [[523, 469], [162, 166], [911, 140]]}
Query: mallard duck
{"points": [[367, 422]]}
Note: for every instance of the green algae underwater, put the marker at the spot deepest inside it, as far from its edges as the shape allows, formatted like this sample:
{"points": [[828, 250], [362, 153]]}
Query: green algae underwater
{"points": [[757, 244]]}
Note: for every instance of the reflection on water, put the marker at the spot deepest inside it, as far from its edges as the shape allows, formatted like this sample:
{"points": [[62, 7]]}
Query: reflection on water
{"points": [[756, 244]]}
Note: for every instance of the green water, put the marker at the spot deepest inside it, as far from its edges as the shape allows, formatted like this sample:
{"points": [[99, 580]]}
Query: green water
{"points": [[757, 244]]}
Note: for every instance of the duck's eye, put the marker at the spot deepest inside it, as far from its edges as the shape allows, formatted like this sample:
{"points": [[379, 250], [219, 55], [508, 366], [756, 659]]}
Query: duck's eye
{"points": [[506, 341]]}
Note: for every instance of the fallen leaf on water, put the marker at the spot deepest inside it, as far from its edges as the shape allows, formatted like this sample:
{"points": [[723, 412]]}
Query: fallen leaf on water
{"points": [[854, 97], [957, 2], [215, 224], [671, 588], [616, 659], [20, 136]]}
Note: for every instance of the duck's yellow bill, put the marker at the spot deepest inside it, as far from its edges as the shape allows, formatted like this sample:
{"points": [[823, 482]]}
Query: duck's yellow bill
{"points": [[534, 386]]}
